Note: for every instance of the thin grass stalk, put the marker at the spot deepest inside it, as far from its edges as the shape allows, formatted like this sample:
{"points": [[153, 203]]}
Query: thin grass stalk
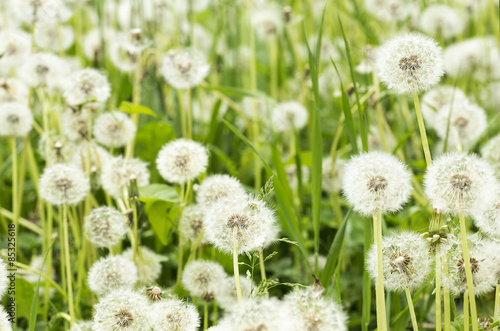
{"points": [[497, 306], [379, 286], [411, 309], [438, 289], [67, 257], [263, 270], [421, 127]]}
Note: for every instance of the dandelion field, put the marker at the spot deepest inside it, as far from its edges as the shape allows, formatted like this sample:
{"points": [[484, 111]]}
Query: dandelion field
{"points": [[249, 165]]}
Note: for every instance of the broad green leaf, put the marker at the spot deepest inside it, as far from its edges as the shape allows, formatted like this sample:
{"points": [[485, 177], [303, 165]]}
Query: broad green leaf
{"points": [[128, 107], [150, 138], [158, 192], [162, 215]]}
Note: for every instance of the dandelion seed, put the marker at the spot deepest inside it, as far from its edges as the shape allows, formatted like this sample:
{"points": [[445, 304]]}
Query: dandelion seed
{"points": [[410, 63], [436, 99], [16, 119], [43, 69], [114, 129], [460, 182], [406, 261], [182, 160], [192, 223], [112, 274], [116, 174], [202, 278], [184, 69], [289, 116], [15, 47], [86, 85], [226, 295], [217, 187], [148, 264], [122, 310], [250, 223], [105, 226], [441, 21], [376, 181], [488, 220], [155, 294], [174, 314], [61, 184]]}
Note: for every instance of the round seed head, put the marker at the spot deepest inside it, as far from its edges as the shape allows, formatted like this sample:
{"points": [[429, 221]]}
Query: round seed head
{"points": [[105, 226], [441, 21], [227, 296], [192, 223], [436, 98], [5, 325], [4, 281], [288, 116], [86, 85], [216, 187], [174, 314], [114, 129], [184, 69], [13, 89], [491, 153], [15, 47], [112, 274], [203, 278], [16, 119], [53, 37], [116, 174], [148, 264], [61, 184]]}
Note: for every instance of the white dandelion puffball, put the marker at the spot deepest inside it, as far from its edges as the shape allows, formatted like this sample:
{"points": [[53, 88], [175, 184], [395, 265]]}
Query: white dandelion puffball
{"points": [[122, 310], [288, 116], [467, 123], [227, 296], [16, 119], [112, 274], [260, 314], [436, 98], [29, 11], [62, 184], [483, 260], [488, 220], [216, 187], [114, 129], [376, 181], [83, 326], [92, 42], [441, 20], [267, 20], [89, 157], [115, 176], [491, 153], [15, 47], [203, 278], [148, 264], [75, 124], [4, 281], [182, 160], [311, 311], [105, 226], [405, 258], [53, 37], [4, 320], [390, 10], [174, 314], [410, 63], [13, 89], [192, 223], [460, 182], [123, 55], [478, 57], [43, 69], [184, 68], [292, 175], [251, 224], [332, 174], [51, 146], [86, 85]]}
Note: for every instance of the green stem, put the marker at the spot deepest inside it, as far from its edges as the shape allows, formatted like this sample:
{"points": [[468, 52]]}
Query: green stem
{"points": [[236, 270], [69, 277], [189, 115], [466, 311], [263, 270], [438, 289], [468, 271], [182, 109], [205, 315], [446, 298], [497, 306], [412, 309], [379, 286], [421, 127]]}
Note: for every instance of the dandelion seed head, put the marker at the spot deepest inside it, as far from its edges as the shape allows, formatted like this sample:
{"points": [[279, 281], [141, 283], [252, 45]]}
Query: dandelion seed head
{"points": [[13, 90], [202, 278], [406, 261], [148, 264], [4, 281], [251, 223], [267, 20], [113, 273], [192, 223], [376, 181], [184, 68], [92, 42], [115, 176], [181, 160], [458, 181], [4, 320], [488, 220], [436, 98], [15, 47], [29, 11], [174, 314], [216, 187], [16, 119], [43, 69], [332, 174], [114, 129], [83, 326], [491, 153], [441, 20], [227, 296], [288, 116], [62, 184], [75, 124], [410, 63], [122, 310], [86, 85], [53, 37], [105, 226]]}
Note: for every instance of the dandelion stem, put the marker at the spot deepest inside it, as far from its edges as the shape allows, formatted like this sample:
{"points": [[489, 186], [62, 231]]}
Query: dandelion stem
{"points": [[421, 127], [205, 315], [236, 270], [446, 298], [468, 272], [497, 305], [379, 286], [64, 224], [466, 311], [189, 115], [412, 309], [263, 270], [438, 289]]}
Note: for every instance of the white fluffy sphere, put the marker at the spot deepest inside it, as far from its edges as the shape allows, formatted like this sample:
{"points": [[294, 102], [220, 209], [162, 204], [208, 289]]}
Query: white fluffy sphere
{"points": [[112, 274], [114, 129], [62, 184], [16, 119]]}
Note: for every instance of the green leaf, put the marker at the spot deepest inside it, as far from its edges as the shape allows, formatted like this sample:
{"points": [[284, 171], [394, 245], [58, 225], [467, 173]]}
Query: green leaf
{"points": [[150, 138], [334, 253], [158, 192], [24, 295], [128, 107], [161, 216]]}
